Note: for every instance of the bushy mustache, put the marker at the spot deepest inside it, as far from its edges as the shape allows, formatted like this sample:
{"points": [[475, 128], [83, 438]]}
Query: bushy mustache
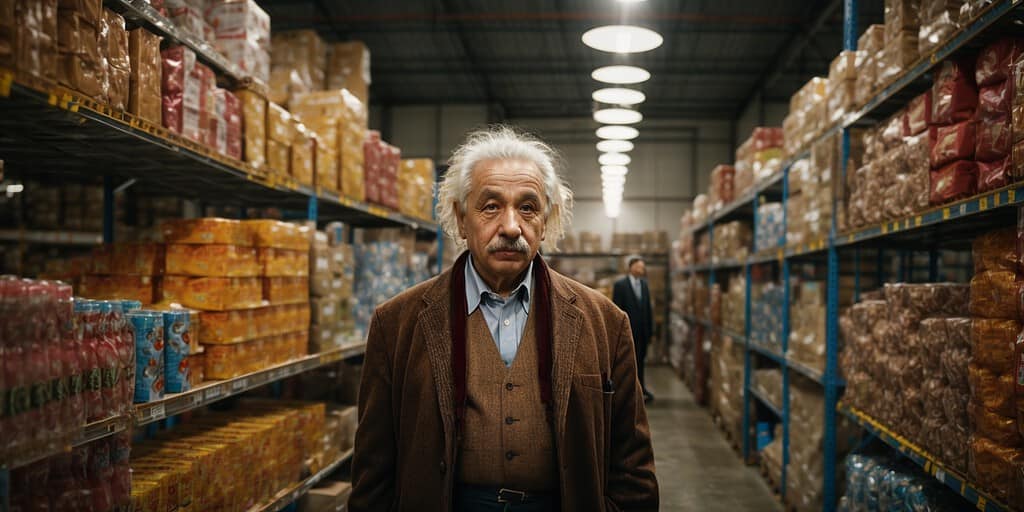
{"points": [[504, 244]]}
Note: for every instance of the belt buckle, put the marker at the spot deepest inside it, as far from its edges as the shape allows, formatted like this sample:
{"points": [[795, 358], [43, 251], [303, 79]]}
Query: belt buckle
{"points": [[511, 496]]}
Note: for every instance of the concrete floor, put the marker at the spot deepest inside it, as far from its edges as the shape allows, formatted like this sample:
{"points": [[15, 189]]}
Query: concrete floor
{"points": [[697, 468]]}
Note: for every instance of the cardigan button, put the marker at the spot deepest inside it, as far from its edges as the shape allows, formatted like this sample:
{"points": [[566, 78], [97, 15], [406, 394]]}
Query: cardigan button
{"points": [[509, 386], [509, 455]]}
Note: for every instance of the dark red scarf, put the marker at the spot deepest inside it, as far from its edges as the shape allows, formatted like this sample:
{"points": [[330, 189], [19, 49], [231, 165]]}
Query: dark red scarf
{"points": [[541, 295]]}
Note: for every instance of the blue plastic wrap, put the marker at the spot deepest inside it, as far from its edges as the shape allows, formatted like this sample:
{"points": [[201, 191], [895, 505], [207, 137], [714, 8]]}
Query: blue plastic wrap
{"points": [[888, 484], [766, 317], [770, 229], [382, 271]]}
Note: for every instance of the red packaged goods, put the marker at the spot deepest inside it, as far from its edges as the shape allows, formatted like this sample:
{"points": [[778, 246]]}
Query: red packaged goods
{"points": [[996, 250], [186, 93], [995, 60], [955, 181], [993, 175], [995, 294], [953, 142], [722, 183], [994, 101], [226, 123], [174, 74], [994, 140], [919, 114], [992, 344], [954, 93]]}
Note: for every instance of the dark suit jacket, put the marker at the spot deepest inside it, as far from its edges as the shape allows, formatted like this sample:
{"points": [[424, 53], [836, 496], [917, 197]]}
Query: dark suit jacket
{"points": [[641, 319], [406, 450]]}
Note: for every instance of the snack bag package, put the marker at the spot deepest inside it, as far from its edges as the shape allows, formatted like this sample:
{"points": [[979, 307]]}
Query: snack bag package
{"points": [[177, 343], [148, 331]]}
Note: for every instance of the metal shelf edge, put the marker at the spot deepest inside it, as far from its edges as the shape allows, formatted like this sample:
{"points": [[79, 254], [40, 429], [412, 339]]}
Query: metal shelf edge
{"points": [[51, 237], [90, 432], [764, 400], [206, 394], [806, 371], [290, 495], [767, 352], [950, 478]]}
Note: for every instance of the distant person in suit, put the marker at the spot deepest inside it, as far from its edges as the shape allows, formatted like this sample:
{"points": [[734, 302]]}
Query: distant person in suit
{"points": [[632, 295]]}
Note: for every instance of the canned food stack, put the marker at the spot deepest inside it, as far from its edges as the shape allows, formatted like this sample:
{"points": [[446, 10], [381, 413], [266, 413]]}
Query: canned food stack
{"points": [[331, 273]]}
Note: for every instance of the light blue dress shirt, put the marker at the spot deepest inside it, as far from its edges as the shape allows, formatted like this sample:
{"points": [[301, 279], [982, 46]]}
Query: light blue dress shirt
{"points": [[505, 317]]}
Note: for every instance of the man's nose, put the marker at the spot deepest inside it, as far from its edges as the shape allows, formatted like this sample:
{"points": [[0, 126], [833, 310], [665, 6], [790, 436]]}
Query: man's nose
{"points": [[510, 224]]}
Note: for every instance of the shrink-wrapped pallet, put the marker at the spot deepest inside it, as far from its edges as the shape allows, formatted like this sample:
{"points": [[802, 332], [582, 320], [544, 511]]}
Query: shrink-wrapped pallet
{"points": [[991, 390], [994, 467], [996, 250], [212, 260], [991, 425], [116, 62], [992, 344], [299, 60]]}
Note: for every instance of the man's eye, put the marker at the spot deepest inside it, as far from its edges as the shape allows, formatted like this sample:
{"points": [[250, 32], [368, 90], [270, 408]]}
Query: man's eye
{"points": [[490, 207], [527, 208]]}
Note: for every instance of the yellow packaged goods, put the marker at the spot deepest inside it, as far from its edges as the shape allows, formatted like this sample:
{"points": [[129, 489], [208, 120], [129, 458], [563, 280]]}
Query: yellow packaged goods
{"points": [[129, 259], [996, 250], [227, 361], [116, 63], [278, 156], [144, 83], [148, 496], [325, 311], [326, 164], [212, 260], [992, 344], [213, 293], [348, 67], [172, 478], [222, 327], [282, 235], [302, 56], [35, 37], [254, 127], [995, 294], [285, 290], [302, 155], [282, 262], [206, 231], [998, 428], [140, 288], [415, 187], [279, 125]]}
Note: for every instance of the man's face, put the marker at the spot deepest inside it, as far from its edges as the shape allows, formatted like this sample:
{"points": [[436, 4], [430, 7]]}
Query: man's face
{"points": [[503, 223], [638, 269]]}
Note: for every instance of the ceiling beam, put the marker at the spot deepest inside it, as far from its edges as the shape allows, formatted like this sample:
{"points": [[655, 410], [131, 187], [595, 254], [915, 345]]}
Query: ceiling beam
{"points": [[803, 36], [474, 60], [386, 16]]}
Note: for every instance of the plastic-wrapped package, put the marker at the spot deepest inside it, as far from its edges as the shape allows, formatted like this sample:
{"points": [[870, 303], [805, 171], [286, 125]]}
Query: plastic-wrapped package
{"points": [[116, 62], [939, 20], [953, 142], [993, 175], [721, 191], [209, 230], [995, 294], [993, 466], [992, 344], [994, 139], [919, 113], [998, 428], [278, 234], [995, 60], [213, 293], [992, 391], [954, 93], [954, 181], [995, 101], [995, 250], [145, 80], [212, 260], [302, 54], [285, 290], [254, 127]]}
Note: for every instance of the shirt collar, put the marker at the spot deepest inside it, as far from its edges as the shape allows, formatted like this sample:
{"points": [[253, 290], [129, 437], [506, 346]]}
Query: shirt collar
{"points": [[476, 288]]}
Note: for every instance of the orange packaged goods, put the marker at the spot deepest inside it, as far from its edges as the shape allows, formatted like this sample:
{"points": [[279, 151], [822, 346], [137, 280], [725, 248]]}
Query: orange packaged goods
{"points": [[283, 262], [992, 344], [144, 83], [254, 127], [227, 361], [996, 250], [286, 290], [995, 294], [128, 259], [340, 120], [212, 260], [994, 468], [225, 327], [302, 154], [991, 390], [348, 67], [213, 293], [140, 288], [210, 230], [1000, 429], [117, 65], [274, 233]]}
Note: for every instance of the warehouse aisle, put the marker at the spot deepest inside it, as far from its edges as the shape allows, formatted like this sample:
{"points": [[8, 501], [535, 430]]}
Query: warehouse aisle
{"points": [[697, 469]]}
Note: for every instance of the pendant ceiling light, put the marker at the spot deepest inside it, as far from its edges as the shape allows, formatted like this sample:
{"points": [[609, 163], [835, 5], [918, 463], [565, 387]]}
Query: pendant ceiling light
{"points": [[614, 159], [612, 180], [620, 75], [617, 132], [614, 170], [618, 96], [617, 116], [615, 146], [622, 39], [612, 211]]}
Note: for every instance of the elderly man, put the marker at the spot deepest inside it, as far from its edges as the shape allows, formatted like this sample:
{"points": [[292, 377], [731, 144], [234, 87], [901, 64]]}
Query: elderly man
{"points": [[500, 384]]}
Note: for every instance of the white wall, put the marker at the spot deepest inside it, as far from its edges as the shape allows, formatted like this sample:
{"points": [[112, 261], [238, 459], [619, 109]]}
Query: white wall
{"points": [[662, 181]]}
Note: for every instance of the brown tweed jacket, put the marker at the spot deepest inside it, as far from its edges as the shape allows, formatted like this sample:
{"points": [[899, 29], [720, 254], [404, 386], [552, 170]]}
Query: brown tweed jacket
{"points": [[406, 445]]}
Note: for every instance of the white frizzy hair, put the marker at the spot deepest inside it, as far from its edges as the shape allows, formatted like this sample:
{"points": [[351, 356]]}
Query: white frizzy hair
{"points": [[503, 142]]}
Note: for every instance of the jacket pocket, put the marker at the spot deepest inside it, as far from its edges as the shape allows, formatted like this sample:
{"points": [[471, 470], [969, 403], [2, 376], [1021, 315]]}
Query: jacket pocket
{"points": [[592, 381]]}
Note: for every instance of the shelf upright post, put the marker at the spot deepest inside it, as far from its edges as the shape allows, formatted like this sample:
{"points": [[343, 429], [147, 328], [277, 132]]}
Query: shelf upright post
{"points": [[785, 338], [933, 265], [311, 209], [108, 209], [747, 360]]}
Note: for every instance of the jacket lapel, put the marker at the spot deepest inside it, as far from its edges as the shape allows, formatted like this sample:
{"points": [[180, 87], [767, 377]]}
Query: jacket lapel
{"points": [[567, 320], [434, 322]]}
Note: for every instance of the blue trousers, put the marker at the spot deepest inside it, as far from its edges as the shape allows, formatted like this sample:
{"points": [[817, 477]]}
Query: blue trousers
{"points": [[485, 499]]}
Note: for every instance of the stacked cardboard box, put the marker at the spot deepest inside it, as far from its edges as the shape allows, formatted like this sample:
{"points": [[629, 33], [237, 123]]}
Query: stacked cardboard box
{"points": [[806, 117], [939, 20], [416, 188], [340, 121], [758, 158], [298, 65], [732, 241], [726, 382], [809, 206], [145, 83], [225, 128], [807, 325], [116, 62], [841, 91], [254, 126], [869, 48], [348, 67], [124, 271], [901, 29], [80, 62], [303, 153], [766, 301], [241, 31], [382, 270], [770, 231], [280, 135], [331, 273], [28, 37]]}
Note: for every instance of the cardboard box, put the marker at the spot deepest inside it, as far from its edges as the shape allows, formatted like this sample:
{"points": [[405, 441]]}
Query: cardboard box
{"points": [[254, 127], [348, 67], [34, 37], [278, 156], [144, 81], [302, 153]]}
